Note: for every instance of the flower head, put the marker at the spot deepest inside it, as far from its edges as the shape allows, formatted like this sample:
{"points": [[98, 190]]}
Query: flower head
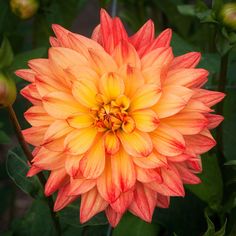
{"points": [[118, 120]]}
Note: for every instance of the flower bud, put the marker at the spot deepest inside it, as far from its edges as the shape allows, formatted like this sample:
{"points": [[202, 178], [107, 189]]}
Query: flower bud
{"points": [[228, 15], [24, 8], [7, 91]]}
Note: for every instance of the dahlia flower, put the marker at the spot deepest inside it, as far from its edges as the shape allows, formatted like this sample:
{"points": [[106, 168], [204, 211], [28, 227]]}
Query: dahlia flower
{"points": [[117, 120]]}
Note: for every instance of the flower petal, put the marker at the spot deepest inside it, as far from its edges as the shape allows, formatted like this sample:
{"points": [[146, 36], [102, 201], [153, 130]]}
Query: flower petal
{"points": [[112, 216], [79, 141], [137, 143], [111, 142], [148, 175], [168, 141], [80, 120], [31, 93], [72, 165], [213, 120], [144, 202], [80, 186], [26, 74], [93, 163], [145, 120], [145, 97], [188, 60], [163, 201], [123, 172], [34, 135]]}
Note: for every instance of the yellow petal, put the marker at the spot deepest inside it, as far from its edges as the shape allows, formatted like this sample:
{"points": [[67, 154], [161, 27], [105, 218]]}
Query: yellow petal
{"points": [[80, 120], [111, 85], [146, 96], [145, 120], [85, 92], [111, 142], [79, 141], [61, 105], [137, 143]]}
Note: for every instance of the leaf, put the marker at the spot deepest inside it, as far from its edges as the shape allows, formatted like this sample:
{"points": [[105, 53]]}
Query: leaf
{"points": [[230, 163], [133, 226], [70, 215], [211, 188], [36, 222], [6, 54], [188, 10], [4, 138], [211, 228], [17, 169]]}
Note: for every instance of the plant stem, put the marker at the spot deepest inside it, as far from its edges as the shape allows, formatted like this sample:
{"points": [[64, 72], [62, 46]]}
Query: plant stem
{"points": [[29, 157], [109, 230], [114, 8], [220, 106]]}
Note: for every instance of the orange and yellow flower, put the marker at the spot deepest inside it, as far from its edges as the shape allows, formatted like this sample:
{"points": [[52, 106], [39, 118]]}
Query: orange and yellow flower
{"points": [[118, 120]]}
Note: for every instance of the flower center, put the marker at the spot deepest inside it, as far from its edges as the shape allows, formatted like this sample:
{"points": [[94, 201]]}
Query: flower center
{"points": [[113, 114]]}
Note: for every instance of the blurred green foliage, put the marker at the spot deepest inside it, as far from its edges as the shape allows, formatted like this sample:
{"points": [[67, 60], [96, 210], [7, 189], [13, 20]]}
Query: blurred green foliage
{"points": [[209, 209]]}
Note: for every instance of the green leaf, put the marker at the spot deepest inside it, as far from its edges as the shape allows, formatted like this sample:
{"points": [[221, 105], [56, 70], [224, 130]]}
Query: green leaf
{"points": [[211, 188], [70, 215], [6, 54], [36, 222], [4, 138], [133, 226], [211, 228], [188, 10], [231, 163], [17, 169]]}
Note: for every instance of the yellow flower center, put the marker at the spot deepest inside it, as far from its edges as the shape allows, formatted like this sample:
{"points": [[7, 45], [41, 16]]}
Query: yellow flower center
{"points": [[113, 114]]}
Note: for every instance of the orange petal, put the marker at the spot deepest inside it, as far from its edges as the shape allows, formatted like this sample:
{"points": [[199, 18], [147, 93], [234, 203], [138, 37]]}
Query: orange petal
{"points": [[112, 143], [147, 175], [80, 120], [172, 184], [41, 66], [213, 120], [186, 175], [49, 160], [54, 42], [34, 170], [37, 116], [145, 120], [144, 36], [145, 97], [93, 163], [101, 61], [60, 105], [168, 141], [63, 199], [112, 216], [106, 186], [187, 123], [163, 201], [125, 53], [209, 98], [31, 93], [154, 160], [34, 135], [137, 143], [79, 141], [123, 202], [72, 165], [111, 85], [143, 203], [123, 172], [26, 74], [61, 34], [200, 143], [196, 106], [55, 135], [190, 78], [159, 57], [188, 60], [96, 34], [91, 204], [57, 179], [81, 186]]}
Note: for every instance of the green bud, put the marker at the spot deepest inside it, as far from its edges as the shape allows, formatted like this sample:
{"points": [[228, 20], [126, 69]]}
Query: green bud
{"points": [[7, 91], [24, 8], [228, 15]]}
